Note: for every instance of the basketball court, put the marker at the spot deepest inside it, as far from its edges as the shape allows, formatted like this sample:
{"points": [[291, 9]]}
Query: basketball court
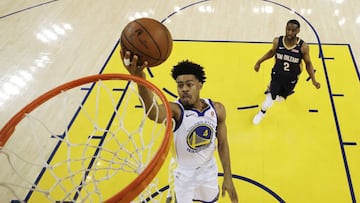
{"points": [[306, 149]]}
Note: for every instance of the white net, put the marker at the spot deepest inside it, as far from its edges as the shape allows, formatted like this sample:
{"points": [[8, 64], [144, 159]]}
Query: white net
{"points": [[84, 145]]}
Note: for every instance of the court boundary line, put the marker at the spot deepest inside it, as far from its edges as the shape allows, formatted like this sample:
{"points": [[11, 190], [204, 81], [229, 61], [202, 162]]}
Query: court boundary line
{"points": [[321, 55], [26, 9]]}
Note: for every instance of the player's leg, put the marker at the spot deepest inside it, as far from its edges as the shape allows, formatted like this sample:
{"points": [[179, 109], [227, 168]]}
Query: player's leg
{"points": [[268, 102], [208, 189], [287, 90], [184, 186]]}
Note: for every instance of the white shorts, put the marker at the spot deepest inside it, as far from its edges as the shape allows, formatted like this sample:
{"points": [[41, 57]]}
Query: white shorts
{"points": [[199, 184]]}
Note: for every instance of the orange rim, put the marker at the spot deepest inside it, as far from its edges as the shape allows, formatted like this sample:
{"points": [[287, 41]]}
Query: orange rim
{"points": [[134, 188]]}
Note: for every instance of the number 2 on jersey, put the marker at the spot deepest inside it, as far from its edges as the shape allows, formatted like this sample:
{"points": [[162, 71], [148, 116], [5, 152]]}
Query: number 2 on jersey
{"points": [[286, 66]]}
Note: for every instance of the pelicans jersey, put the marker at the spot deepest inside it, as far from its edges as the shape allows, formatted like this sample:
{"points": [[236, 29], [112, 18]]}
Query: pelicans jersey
{"points": [[194, 136], [288, 60], [284, 74]]}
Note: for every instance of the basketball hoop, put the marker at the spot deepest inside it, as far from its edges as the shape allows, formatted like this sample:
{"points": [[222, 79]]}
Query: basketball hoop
{"points": [[86, 155]]}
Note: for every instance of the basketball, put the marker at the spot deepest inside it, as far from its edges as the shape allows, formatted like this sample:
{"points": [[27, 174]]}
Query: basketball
{"points": [[147, 38]]}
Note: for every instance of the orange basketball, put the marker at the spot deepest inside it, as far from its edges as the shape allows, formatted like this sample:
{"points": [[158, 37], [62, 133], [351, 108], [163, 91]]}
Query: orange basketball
{"points": [[147, 38]]}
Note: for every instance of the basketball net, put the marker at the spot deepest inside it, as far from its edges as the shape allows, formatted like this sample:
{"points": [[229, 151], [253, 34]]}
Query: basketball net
{"points": [[88, 140]]}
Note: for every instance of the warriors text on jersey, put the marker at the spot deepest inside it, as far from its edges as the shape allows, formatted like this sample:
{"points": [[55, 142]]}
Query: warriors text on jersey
{"points": [[195, 135], [288, 60]]}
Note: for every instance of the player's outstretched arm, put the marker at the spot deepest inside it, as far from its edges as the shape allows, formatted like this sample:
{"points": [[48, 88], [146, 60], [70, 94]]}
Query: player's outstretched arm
{"points": [[269, 54], [308, 64], [146, 94], [224, 154]]}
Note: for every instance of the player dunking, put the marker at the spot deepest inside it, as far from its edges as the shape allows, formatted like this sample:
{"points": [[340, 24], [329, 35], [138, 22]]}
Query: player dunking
{"points": [[198, 124], [289, 51]]}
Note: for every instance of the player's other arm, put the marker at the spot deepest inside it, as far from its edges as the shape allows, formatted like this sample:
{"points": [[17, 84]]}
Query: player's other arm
{"points": [[224, 154], [269, 54], [308, 64]]}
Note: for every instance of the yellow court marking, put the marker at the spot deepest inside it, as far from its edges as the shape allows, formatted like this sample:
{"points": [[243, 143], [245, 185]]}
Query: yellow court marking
{"points": [[296, 154]]}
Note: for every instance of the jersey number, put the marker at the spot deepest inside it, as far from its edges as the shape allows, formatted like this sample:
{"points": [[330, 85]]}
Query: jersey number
{"points": [[286, 66]]}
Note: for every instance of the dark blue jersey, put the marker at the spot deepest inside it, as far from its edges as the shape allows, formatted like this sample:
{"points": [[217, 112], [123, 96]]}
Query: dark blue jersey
{"points": [[288, 60]]}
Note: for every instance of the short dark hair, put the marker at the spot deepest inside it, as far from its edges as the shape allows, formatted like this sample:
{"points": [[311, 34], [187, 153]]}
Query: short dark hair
{"points": [[293, 21], [188, 67]]}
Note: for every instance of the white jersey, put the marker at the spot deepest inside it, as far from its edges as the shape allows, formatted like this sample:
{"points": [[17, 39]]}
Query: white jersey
{"points": [[194, 137]]}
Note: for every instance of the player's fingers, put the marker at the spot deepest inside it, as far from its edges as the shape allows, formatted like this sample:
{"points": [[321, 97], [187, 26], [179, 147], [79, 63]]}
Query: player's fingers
{"points": [[127, 55], [134, 61], [126, 58], [144, 65], [233, 197], [317, 85], [121, 53]]}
